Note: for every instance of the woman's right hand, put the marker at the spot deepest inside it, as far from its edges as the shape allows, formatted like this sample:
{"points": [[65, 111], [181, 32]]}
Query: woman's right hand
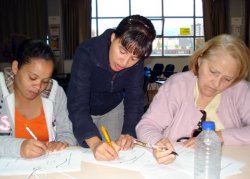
{"points": [[164, 156], [103, 151], [31, 148]]}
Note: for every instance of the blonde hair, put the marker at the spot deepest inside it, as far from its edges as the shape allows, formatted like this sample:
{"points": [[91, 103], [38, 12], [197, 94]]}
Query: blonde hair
{"points": [[226, 43]]}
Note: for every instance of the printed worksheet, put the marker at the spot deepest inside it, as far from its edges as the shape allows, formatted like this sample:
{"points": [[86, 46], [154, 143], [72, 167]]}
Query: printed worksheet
{"points": [[65, 160], [142, 160]]}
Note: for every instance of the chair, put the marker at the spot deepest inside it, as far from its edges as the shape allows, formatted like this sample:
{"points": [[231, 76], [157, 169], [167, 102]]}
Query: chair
{"points": [[62, 79], [169, 70], [156, 72], [185, 68]]}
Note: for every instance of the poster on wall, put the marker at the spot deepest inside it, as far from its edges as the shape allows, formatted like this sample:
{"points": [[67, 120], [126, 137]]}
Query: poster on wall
{"points": [[54, 37], [54, 31]]}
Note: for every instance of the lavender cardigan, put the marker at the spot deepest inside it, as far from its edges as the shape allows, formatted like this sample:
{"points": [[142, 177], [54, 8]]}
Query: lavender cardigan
{"points": [[172, 113]]}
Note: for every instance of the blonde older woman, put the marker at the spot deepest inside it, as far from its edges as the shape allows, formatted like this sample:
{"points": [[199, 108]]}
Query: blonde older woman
{"points": [[214, 89]]}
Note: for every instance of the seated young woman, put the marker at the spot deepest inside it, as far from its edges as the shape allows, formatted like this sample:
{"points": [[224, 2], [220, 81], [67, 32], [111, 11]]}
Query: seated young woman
{"points": [[33, 110]]}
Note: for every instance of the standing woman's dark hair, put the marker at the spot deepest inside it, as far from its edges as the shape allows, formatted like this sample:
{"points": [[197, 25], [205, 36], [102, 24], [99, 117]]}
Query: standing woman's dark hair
{"points": [[137, 34], [33, 49]]}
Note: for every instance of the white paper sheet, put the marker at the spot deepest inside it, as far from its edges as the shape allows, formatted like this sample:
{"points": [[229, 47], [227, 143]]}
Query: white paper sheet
{"points": [[142, 160], [62, 161]]}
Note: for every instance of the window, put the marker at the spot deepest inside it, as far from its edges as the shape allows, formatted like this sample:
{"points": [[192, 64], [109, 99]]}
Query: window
{"points": [[178, 23]]}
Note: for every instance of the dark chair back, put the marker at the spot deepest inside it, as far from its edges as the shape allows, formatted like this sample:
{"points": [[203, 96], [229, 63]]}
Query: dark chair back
{"points": [[62, 79], [185, 68], [156, 72], [169, 70]]}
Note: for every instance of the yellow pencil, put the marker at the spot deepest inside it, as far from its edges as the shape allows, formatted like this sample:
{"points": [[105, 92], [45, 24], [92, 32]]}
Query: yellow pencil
{"points": [[106, 135]]}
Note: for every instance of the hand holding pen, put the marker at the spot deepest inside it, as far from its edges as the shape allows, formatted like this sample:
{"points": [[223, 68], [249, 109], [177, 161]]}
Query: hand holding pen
{"points": [[125, 141], [107, 150], [31, 148], [34, 148], [164, 157], [154, 147], [163, 150]]}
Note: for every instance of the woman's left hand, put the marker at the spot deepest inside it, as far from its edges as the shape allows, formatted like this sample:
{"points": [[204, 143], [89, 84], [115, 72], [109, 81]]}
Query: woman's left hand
{"points": [[125, 142], [189, 143], [56, 146]]}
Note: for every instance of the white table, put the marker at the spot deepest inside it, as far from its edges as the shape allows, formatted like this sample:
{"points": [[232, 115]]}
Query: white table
{"points": [[241, 153], [93, 171]]}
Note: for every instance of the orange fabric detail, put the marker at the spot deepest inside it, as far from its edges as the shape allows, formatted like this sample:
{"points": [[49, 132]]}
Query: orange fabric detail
{"points": [[37, 125]]}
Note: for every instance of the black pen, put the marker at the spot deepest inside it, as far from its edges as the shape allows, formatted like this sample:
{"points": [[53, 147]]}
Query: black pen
{"points": [[148, 145]]}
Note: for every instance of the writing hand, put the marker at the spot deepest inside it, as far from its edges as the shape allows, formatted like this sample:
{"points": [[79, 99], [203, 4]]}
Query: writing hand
{"points": [[103, 151], [164, 156], [31, 148]]}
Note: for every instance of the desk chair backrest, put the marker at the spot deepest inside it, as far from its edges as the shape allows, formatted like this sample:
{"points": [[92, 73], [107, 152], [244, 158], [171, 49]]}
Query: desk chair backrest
{"points": [[185, 68], [62, 79], [169, 70], [156, 72]]}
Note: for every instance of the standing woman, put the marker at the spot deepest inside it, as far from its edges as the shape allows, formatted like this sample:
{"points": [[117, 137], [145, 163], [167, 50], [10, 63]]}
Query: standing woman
{"points": [[106, 85], [33, 111]]}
